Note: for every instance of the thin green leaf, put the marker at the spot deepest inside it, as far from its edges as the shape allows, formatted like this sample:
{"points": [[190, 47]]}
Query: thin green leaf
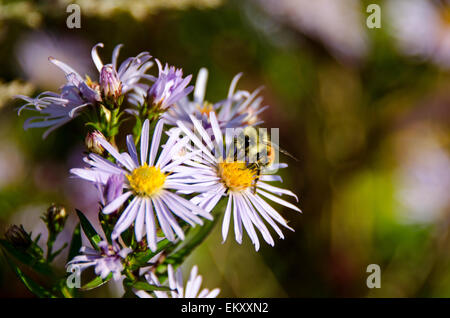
{"points": [[75, 244], [34, 287], [147, 287], [105, 223], [89, 230], [96, 282]]}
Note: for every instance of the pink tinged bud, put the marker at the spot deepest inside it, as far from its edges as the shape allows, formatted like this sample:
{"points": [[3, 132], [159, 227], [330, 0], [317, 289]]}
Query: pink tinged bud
{"points": [[92, 143], [110, 85]]}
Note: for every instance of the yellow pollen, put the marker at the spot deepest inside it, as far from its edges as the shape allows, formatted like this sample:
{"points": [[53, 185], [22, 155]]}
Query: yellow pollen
{"points": [[206, 108], [236, 175], [146, 181]]}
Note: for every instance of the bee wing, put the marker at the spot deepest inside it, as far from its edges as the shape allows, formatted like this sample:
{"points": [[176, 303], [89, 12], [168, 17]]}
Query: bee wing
{"points": [[278, 148]]}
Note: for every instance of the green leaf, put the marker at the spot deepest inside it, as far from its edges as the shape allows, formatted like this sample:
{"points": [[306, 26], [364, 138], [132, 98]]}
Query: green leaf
{"points": [[75, 244], [141, 258], [105, 223], [34, 287], [96, 282], [38, 265], [137, 130], [89, 230], [147, 287], [194, 238], [94, 125]]}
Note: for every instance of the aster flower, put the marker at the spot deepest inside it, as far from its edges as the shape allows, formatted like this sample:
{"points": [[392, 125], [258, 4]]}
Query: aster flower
{"points": [[112, 189], [54, 109], [239, 109], [176, 283], [57, 109], [149, 180], [169, 87], [225, 176], [107, 260]]}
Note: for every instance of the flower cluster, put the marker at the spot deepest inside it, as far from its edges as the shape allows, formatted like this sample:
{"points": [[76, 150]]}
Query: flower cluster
{"points": [[182, 159]]}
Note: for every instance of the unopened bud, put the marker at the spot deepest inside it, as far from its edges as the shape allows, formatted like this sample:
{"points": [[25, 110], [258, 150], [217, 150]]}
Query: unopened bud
{"points": [[110, 85], [55, 218], [92, 143], [18, 237]]}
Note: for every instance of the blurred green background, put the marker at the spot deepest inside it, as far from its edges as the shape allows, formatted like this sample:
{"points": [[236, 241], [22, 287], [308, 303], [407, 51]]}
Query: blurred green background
{"points": [[367, 119]]}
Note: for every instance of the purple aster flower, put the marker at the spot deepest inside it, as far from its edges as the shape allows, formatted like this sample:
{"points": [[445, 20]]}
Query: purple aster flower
{"points": [[244, 188], [176, 283], [107, 260], [149, 181], [239, 109], [111, 190], [128, 75], [57, 109], [169, 87], [54, 109]]}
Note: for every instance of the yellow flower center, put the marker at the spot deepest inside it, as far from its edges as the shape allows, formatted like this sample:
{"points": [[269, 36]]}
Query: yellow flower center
{"points": [[206, 108], [146, 181], [236, 175]]}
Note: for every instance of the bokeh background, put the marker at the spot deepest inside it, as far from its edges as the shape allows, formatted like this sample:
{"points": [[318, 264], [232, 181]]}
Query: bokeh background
{"points": [[366, 112]]}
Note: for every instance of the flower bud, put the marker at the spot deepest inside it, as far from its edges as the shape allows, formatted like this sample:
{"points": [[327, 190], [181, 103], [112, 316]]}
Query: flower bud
{"points": [[55, 218], [18, 237], [110, 85], [92, 144]]}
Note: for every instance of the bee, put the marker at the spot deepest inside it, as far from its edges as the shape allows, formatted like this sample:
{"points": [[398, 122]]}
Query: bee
{"points": [[259, 152]]}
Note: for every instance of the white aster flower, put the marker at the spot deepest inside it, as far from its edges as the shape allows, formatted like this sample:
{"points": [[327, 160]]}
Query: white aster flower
{"points": [[107, 260], [239, 109], [234, 179], [176, 284], [149, 179]]}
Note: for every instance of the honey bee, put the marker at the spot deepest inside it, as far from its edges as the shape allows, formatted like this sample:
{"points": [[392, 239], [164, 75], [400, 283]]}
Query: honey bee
{"points": [[259, 152]]}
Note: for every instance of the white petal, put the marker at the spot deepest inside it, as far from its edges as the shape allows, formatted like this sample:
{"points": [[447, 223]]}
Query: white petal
{"points": [[200, 85], [139, 225], [276, 190], [127, 217], [114, 153], [237, 221], [144, 141], [155, 141], [226, 220], [278, 200], [132, 149], [150, 225], [97, 61], [116, 203]]}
